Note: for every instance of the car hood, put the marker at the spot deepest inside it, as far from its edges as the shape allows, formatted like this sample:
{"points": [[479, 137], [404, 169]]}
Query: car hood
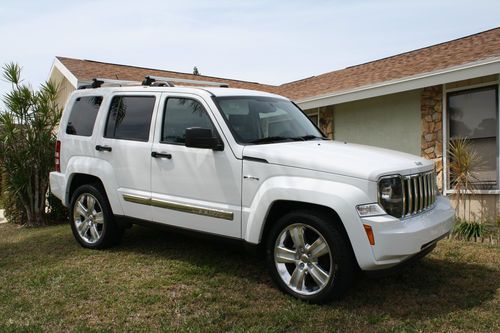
{"points": [[341, 158]]}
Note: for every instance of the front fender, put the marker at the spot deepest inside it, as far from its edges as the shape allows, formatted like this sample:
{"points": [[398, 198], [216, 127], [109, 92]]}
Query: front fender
{"points": [[341, 197]]}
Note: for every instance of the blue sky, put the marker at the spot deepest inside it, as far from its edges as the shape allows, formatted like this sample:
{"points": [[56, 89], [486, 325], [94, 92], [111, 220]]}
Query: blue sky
{"points": [[264, 41]]}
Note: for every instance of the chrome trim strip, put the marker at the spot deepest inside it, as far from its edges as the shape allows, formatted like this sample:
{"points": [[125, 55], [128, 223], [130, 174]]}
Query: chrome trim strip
{"points": [[421, 199], [138, 199], [410, 193], [426, 193], [403, 185], [221, 214], [192, 209]]}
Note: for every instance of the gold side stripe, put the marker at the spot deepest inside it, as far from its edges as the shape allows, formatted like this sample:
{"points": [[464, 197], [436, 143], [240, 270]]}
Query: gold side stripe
{"points": [[192, 209], [137, 199]]}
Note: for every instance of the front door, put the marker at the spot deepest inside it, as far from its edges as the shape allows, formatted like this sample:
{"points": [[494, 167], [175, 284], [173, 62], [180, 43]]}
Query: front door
{"points": [[193, 188]]}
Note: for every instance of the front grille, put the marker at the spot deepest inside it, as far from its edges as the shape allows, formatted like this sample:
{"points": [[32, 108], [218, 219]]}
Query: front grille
{"points": [[419, 192]]}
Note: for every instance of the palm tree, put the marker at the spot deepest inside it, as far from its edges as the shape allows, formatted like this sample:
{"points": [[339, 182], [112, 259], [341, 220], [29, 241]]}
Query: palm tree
{"points": [[27, 142]]}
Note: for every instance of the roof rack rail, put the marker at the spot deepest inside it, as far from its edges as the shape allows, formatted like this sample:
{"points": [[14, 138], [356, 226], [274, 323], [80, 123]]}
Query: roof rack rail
{"points": [[98, 82], [169, 81]]}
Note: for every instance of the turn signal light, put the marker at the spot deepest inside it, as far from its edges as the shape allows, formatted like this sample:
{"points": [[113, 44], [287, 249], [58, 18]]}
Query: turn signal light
{"points": [[369, 233]]}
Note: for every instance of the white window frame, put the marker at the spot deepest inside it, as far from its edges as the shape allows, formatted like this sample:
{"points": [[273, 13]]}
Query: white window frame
{"points": [[316, 113], [446, 176]]}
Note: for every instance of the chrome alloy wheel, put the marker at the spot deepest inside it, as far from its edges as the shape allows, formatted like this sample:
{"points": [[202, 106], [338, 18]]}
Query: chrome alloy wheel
{"points": [[88, 218], [303, 259]]}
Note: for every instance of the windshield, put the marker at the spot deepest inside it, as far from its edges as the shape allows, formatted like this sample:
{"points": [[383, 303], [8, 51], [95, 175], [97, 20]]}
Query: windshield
{"points": [[257, 120]]}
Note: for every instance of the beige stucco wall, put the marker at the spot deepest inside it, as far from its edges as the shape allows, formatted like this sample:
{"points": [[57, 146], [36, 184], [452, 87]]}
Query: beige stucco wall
{"points": [[478, 207], [391, 121], [65, 86]]}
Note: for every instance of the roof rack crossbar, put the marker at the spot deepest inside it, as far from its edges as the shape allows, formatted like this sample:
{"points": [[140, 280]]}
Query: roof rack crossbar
{"points": [[150, 79], [99, 82]]}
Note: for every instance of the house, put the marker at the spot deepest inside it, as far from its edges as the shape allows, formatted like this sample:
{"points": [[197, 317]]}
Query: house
{"points": [[412, 102]]}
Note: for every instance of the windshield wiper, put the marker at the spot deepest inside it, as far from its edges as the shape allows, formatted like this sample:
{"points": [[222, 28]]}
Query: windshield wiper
{"points": [[309, 137], [271, 139]]}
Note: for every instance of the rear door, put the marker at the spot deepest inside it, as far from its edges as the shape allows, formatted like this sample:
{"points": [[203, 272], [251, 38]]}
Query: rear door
{"points": [[193, 188], [126, 144]]}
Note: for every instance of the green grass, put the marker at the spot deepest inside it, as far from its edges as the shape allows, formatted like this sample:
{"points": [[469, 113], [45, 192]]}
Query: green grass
{"points": [[157, 281]]}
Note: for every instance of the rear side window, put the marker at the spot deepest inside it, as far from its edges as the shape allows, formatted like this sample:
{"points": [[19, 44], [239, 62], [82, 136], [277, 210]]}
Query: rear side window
{"points": [[129, 118], [83, 114], [182, 113]]}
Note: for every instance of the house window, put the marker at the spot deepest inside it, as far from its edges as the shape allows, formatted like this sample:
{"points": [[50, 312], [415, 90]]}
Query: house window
{"points": [[473, 114], [314, 118]]}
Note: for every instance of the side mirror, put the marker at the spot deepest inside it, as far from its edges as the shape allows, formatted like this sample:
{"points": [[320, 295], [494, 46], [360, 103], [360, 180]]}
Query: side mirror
{"points": [[197, 137]]}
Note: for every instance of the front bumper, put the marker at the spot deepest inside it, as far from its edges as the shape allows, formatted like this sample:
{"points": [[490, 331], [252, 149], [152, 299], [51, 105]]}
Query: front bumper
{"points": [[398, 240]]}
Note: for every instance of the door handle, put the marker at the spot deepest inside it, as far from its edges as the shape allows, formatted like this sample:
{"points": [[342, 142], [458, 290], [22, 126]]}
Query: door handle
{"points": [[161, 155], [103, 148]]}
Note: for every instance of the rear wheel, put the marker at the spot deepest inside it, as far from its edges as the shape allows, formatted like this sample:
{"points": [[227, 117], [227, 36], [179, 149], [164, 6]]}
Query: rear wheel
{"points": [[92, 220], [308, 257]]}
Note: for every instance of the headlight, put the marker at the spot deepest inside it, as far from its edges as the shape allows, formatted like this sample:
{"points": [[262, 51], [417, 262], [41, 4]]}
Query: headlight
{"points": [[390, 195]]}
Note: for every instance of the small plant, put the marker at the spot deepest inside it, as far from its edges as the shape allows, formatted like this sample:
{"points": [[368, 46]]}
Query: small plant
{"points": [[464, 161], [469, 230]]}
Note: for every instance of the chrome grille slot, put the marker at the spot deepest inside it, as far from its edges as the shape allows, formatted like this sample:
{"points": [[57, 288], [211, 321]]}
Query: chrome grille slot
{"points": [[419, 192]]}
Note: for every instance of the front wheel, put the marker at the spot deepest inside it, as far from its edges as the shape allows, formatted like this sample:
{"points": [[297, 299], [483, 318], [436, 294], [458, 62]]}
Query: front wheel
{"points": [[308, 257], [92, 220]]}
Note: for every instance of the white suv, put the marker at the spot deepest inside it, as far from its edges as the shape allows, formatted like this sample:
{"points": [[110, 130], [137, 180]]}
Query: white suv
{"points": [[246, 165]]}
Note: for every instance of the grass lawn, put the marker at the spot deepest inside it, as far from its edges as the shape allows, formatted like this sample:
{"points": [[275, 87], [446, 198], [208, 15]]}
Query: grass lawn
{"points": [[158, 281]]}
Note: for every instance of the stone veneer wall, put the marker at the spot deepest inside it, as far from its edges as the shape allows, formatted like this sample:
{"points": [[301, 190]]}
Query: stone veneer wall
{"points": [[431, 108], [326, 120]]}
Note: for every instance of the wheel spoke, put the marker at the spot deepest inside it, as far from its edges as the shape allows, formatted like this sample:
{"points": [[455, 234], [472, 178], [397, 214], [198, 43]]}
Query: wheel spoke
{"points": [[83, 227], [284, 255], [99, 218], [297, 234], [81, 210], [94, 233], [297, 278], [90, 204], [318, 274], [318, 248]]}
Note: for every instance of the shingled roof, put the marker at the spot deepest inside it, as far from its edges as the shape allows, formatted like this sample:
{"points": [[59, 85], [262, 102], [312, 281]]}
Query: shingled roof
{"points": [[86, 70], [457, 52], [469, 49]]}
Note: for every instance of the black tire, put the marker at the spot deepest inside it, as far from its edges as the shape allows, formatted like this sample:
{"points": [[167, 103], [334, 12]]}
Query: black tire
{"points": [[340, 257], [110, 232]]}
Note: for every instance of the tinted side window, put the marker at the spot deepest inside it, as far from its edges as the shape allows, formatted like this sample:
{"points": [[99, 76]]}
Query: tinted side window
{"points": [[83, 114], [182, 113], [129, 118]]}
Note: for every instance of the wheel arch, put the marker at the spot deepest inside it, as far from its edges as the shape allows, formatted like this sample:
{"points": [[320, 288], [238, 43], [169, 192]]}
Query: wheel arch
{"points": [[87, 170], [78, 179], [280, 207]]}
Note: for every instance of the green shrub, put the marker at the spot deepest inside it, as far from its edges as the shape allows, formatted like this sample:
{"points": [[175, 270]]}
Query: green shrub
{"points": [[27, 142], [469, 229]]}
